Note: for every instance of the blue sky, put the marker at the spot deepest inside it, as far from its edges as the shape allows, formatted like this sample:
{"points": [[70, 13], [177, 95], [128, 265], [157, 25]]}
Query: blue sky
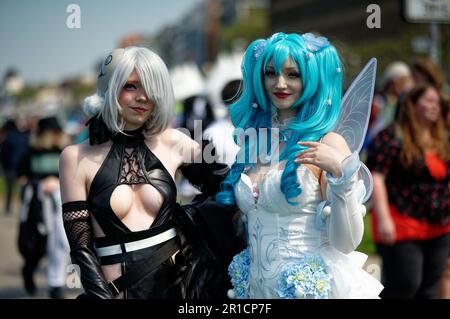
{"points": [[37, 42]]}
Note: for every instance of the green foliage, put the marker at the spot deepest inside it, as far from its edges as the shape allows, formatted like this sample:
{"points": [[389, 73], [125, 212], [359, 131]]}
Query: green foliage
{"points": [[389, 49], [81, 90], [367, 245], [28, 93], [15, 193], [77, 89], [2, 186]]}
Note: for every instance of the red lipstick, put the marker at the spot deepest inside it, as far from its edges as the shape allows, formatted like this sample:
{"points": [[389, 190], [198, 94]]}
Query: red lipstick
{"points": [[282, 95]]}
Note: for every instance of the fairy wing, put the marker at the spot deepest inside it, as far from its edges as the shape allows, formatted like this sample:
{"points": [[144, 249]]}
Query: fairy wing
{"points": [[355, 113], [355, 107]]}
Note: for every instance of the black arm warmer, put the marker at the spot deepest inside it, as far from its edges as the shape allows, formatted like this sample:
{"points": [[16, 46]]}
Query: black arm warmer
{"points": [[79, 233]]}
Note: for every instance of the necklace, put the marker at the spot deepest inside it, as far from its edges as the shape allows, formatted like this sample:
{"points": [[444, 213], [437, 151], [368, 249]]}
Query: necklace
{"points": [[280, 134], [283, 126]]}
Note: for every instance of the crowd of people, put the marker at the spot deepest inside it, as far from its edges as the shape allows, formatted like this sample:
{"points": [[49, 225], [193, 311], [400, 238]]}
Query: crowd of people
{"points": [[409, 155]]}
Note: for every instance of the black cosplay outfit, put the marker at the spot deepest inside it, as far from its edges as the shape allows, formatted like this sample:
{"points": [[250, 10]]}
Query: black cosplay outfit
{"points": [[201, 232]]}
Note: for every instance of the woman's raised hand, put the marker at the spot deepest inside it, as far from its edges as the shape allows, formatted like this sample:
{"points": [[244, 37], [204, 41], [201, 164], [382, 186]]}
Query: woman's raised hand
{"points": [[323, 156]]}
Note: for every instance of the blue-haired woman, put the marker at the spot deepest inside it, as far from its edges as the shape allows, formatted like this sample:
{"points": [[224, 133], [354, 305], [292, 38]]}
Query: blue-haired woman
{"points": [[289, 166]]}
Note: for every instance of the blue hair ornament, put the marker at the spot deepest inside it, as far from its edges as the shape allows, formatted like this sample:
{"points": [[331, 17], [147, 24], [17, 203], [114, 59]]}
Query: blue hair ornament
{"points": [[314, 43], [259, 48]]}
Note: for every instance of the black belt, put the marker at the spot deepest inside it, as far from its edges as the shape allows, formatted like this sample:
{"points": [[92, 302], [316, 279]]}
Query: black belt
{"points": [[144, 267], [133, 246]]}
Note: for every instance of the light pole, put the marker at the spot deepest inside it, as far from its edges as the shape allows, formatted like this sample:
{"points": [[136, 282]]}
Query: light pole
{"points": [[435, 36]]}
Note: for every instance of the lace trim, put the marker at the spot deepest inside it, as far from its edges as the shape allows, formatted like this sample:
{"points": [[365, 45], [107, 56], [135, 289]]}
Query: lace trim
{"points": [[131, 171]]}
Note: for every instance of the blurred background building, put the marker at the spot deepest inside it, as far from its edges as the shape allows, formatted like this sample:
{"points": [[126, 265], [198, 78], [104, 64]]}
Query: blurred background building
{"points": [[212, 27]]}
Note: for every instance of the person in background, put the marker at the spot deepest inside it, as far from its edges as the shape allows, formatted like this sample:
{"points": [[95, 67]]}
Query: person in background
{"points": [[196, 109], [444, 290], [195, 114], [41, 226], [410, 165], [446, 110], [220, 132], [395, 82], [425, 71], [12, 147]]}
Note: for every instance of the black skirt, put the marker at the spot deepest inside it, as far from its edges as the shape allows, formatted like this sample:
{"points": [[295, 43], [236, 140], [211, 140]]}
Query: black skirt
{"points": [[208, 244]]}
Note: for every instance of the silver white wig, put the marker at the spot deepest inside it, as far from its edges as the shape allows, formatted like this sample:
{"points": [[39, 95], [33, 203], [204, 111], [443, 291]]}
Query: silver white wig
{"points": [[154, 78]]}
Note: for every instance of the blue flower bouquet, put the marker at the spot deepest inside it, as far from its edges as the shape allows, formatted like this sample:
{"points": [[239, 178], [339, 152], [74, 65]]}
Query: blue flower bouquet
{"points": [[307, 279], [238, 271]]}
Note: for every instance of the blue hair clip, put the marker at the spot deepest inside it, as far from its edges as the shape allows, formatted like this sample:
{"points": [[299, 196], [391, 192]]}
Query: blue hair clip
{"points": [[308, 55], [259, 48], [314, 43]]}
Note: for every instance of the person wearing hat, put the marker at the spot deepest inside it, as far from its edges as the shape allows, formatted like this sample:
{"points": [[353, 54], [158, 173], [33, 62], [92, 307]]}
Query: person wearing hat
{"points": [[41, 231], [395, 82], [119, 196]]}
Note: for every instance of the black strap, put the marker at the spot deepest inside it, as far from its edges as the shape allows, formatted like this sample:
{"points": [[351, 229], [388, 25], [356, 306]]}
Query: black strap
{"points": [[123, 238], [142, 268], [98, 131]]}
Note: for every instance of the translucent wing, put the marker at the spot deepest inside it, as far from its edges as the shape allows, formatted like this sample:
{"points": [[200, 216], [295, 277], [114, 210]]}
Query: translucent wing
{"points": [[355, 107], [366, 177], [354, 117]]}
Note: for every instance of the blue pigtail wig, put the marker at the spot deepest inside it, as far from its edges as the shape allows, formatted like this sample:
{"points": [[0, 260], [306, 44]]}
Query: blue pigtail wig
{"points": [[317, 108]]}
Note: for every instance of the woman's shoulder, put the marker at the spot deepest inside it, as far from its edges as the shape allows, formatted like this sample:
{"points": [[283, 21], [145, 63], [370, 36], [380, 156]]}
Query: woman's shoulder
{"points": [[71, 152], [172, 137], [77, 152]]}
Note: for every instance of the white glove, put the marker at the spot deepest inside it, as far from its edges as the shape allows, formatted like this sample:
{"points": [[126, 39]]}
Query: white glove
{"points": [[344, 196]]}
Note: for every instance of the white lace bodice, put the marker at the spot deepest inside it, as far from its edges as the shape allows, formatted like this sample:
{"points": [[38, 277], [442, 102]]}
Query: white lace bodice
{"points": [[278, 233]]}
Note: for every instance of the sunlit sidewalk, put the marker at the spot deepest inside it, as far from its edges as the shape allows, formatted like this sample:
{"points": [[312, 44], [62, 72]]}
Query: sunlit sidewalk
{"points": [[11, 284]]}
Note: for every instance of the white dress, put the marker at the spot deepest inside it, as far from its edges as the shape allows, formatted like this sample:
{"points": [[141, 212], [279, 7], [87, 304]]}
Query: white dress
{"points": [[282, 236]]}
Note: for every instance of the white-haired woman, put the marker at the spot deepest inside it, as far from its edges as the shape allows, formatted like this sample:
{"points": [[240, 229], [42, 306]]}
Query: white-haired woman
{"points": [[119, 194]]}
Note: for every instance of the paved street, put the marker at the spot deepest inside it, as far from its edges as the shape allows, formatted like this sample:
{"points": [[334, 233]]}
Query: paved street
{"points": [[11, 285]]}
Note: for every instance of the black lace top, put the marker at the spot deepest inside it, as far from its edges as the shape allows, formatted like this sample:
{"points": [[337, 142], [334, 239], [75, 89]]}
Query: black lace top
{"points": [[205, 230], [129, 161]]}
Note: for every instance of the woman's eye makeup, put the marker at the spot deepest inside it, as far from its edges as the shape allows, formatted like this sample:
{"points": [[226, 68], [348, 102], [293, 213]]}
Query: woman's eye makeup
{"points": [[290, 74], [269, 72], [129, 86]]}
